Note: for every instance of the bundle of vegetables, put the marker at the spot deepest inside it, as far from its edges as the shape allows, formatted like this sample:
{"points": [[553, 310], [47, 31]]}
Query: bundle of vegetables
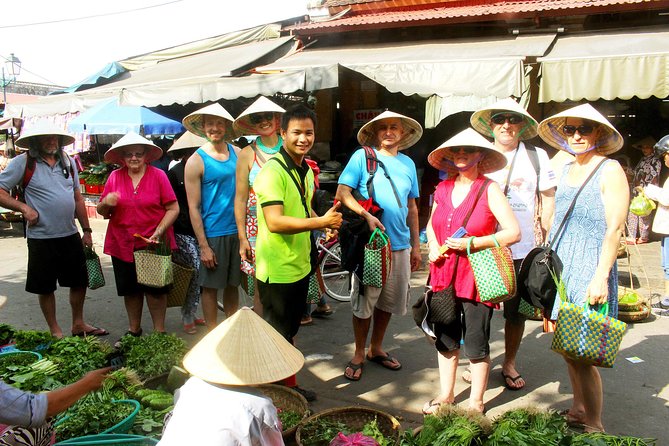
{"points": [[527, 426], [155, 404], [602, 439], [322, 431], [97, 174], [6, 333], [77, 355], [450, 426], [154, 354], [34, 377], [288, 418], [13, 360], [91, 415], [33, 340]]}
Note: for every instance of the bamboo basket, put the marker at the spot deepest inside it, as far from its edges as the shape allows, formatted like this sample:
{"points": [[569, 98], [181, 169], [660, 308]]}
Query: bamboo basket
{"points": [[288, 399]]}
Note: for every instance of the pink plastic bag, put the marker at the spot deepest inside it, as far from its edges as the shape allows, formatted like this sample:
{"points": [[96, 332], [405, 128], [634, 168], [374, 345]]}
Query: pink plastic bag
{"points": [[356, 439]]}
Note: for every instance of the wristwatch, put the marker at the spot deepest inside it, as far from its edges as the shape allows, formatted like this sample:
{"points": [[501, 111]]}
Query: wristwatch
{"points": [[87, 230]]}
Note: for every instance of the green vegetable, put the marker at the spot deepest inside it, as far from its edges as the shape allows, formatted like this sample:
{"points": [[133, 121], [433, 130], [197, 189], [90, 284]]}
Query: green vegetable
{"points": [[35, 377], [289, 418], [453, 426], [154, 354], [602, 439], [31, 339], [372, 430], [149, 422], [162, 403], [91, 415], [321, 431], [6, 333], [631, 297], [528, 426], [14, 360], [76, 356]]}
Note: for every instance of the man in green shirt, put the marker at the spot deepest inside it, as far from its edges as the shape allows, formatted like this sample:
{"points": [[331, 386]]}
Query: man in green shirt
{"points": [[284, 188]]}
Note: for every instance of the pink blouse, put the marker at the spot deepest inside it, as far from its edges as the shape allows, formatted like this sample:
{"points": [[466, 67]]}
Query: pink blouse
{"points": [[139, 211], [448, 219]]}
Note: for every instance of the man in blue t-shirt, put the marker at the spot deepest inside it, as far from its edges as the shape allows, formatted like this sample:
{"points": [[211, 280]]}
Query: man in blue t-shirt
{"points": [[388, 133]]}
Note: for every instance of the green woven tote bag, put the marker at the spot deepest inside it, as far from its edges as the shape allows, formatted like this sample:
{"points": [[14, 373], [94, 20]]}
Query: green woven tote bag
{"points": [[94, 269], [494, 274], [377, 260]]}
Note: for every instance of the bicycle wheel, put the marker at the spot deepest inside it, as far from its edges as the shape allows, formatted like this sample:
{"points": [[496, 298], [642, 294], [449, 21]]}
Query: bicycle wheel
{"points": [[335, 278]]}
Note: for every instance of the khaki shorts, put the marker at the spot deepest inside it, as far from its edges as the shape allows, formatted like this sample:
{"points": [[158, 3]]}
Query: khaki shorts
{"points": [[393, 297]]}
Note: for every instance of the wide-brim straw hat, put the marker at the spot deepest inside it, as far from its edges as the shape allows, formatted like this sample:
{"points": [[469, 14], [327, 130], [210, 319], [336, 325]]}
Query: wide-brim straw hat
{"points": [[441, 158], [187, 141], [550, 130], [194, 122], [43, 128], [647, 141], [412, 130], [480, 119], [243, 350], [243, 125], [115, 155]]}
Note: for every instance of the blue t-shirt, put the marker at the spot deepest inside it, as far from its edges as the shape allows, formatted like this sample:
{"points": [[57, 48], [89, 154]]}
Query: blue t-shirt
{"points": [[218, 194], [403, 172]]}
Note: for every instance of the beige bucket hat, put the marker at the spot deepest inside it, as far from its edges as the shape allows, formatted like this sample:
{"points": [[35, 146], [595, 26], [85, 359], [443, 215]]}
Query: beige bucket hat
{"points": [[412, 130], [187, 141], [115, 155], [243, 125], [243, 350], [194, 121], [550, 130], [43, 128], [441, 158], [480, 119], [647, 141]]}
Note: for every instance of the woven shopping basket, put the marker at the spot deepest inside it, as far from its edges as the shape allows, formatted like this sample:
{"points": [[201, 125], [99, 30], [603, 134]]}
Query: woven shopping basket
{"points": [[182, 276], [355, 417], [377, 258], [96, 278], [285, 398]]}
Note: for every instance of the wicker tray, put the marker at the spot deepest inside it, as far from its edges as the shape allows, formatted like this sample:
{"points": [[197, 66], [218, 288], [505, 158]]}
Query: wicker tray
{"points": [[635, 316], [356, 417], [288, 399]]}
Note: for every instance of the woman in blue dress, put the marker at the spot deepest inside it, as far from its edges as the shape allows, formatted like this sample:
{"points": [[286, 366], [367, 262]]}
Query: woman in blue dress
{"points": [[589, 243]]}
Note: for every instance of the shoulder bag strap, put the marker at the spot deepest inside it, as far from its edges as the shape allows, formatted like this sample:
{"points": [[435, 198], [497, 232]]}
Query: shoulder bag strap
{"points": [[561, 228], [508, 177], [301, 189], [371, 158]]}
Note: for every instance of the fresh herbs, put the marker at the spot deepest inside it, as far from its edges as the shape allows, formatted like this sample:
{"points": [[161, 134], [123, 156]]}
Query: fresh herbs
{"points": [[154, 354], [35, 377], [76, 356], [372, 430], [6, 333], [289, 418], [602, 439], [527, 427], [321, 431], [31, 340], [92, 414]]}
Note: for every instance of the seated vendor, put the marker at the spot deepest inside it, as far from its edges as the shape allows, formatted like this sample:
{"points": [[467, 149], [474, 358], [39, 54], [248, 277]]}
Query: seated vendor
{"points": [[218, 405]]}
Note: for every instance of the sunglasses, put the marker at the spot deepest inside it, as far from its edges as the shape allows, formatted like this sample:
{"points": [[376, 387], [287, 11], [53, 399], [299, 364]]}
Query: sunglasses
{"points": [[501, 118], [257, 118], [583, 130], [129, 155], [467, 150]]}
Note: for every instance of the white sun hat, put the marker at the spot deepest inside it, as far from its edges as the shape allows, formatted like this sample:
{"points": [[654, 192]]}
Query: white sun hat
{"points": [[550, 130], [480, 119], [115, 155], [187, 141], [412, 130], [194, 122], [441, 158], [243, 124], [243, 350], [43, 128]]}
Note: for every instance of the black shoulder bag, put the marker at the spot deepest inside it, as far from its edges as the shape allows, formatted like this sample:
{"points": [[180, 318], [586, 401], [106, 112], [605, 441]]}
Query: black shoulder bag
{"points": [[535, 278]]}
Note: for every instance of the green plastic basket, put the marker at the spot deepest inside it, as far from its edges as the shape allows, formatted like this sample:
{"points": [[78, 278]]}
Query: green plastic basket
{"points": [[109, 439], [124, 426], [21, 352]]}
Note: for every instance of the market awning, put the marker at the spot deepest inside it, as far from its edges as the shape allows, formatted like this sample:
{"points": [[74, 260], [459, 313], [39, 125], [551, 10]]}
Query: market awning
{"points": [[606, 66]]}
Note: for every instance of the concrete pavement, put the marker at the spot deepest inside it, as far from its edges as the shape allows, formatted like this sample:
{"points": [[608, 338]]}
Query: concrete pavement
{"points": [[636, 394]]}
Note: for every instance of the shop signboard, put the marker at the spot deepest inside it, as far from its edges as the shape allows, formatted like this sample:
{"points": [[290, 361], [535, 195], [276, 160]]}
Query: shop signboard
{"points": [[360, 117]]}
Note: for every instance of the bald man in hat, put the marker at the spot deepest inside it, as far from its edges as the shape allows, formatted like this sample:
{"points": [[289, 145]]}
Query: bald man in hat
{"points": [[52, 201]]}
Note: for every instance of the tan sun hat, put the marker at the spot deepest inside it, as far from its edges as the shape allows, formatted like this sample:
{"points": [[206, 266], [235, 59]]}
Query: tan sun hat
{"points": [[194, 122], [647, 141], [243, 350], [412, 130], [187, 141], [441, 158], [480, 119], [243, 125], [115, 155], [43, 128], [550, 130]]}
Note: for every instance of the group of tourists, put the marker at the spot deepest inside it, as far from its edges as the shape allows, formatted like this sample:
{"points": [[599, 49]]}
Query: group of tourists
{"points": [[231, 212]]}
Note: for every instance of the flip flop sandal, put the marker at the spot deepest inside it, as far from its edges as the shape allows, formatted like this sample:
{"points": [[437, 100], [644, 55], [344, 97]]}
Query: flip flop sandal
{"points": [[354, 368], [429, 407], [95, 331], [322, 313], [190, 328], [571, 420], [383, 361], [513, 380]]}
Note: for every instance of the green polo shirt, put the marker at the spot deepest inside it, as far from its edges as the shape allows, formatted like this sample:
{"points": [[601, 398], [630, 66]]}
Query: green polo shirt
{"points": [[283, 258]]}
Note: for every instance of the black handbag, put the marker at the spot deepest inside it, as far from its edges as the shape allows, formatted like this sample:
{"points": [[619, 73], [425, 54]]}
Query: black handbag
{"points": [[541, 268]]}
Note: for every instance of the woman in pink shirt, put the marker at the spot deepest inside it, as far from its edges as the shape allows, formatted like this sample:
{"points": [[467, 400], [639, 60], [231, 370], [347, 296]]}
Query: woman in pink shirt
{"points": [[137, 199]]}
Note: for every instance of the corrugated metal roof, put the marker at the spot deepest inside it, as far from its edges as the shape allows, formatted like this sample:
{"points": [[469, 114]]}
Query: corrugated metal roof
{"points": [[490, 9]]}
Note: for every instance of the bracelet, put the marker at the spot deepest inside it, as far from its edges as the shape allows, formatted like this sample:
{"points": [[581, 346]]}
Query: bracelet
{"points": [[89, 230]]}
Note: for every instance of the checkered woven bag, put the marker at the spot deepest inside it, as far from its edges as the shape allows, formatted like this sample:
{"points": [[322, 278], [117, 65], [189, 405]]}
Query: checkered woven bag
{"points": [[94, 269], [316, 287], [494, 274], [154, 270], [529, 311], [588, 336], [377, 259], [182, 276]]}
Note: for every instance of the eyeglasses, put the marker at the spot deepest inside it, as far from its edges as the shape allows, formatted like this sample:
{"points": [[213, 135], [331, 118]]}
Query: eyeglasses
{"points": [[583, 130], [257, 118], [467, 150], [129, 155], [501, 118]]}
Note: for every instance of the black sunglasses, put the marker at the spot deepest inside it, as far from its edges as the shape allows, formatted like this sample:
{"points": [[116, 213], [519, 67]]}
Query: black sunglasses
{"points": [[467, 150], [257, 118], [583, 130], [501, 118]]}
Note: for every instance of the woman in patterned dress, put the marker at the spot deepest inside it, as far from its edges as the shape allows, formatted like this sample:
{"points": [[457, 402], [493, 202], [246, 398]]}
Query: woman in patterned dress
{"points": [[647, 171], [261, 118], [589, 243]]}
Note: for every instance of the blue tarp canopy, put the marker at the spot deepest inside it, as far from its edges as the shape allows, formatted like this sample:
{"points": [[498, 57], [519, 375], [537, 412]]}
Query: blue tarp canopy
{"points": [[104, 76], [110, 118]]}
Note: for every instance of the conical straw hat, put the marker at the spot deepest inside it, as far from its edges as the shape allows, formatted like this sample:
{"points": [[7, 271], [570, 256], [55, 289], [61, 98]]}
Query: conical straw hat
{"points": [[43, 128], [187, 141], [412, 130], [480, 119], [243, 125], [243, 350], [441, 158], [550, 130], [114, 154], [194, 121]]}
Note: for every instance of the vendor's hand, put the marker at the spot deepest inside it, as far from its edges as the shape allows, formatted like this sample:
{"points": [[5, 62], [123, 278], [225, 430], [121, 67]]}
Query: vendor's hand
{"points": [[208, 258], [111, 199], [87, 239], [245, 251], [597, 291], [31, 216], [95, 378]]}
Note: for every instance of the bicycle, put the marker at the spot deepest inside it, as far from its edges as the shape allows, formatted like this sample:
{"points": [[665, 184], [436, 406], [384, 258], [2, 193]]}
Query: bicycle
{"points": [[337, 280]]}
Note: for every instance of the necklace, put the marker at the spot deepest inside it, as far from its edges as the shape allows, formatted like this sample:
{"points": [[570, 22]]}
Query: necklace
{"points": [[269, 150]]}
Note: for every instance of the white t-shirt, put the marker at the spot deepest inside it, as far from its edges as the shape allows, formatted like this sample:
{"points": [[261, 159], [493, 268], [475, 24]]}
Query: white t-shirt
{"points": [[209, 415], [521, 193]]}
